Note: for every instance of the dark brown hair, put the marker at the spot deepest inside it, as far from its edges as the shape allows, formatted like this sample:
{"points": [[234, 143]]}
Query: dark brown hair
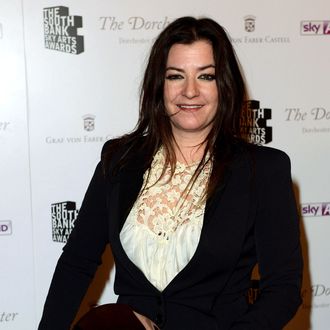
{"points": [[154, 124]]}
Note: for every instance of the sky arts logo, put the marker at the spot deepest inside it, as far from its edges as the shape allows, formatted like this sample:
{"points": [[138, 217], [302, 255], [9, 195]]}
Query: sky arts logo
{"points": [[253, 123], [60, 30], [315, 210], [312, 28], [64, 215]]}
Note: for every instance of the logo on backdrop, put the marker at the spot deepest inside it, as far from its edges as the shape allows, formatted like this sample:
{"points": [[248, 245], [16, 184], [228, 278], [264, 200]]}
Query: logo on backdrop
{"points": [[4, 125], [8, 317], [315, 28], [253, 123], [133, 23], [89, 123], [250, 23], [315, 209], [6, 227], [318, 116], [60, 30], [64, 215], [141, 30], [316, 296]]}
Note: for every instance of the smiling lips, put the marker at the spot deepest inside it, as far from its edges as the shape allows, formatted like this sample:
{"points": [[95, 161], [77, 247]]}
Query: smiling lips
{"points": [[189, 107]]}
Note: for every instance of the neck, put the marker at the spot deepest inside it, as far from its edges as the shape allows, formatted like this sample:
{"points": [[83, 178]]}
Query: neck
{"points": [[189, 148]]}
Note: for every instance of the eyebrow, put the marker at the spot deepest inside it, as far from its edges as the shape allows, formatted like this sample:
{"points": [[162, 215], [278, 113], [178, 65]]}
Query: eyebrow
{"points": [[201, 68]]}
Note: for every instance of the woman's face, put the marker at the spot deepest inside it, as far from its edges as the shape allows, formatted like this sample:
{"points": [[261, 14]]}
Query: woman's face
{"points": [[190, 90]]}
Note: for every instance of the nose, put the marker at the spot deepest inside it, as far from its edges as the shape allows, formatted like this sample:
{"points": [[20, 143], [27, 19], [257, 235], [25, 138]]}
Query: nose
{"points": [[190, 89]]}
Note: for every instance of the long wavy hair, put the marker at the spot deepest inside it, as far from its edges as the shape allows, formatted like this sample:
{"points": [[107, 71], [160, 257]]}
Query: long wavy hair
{"points": [[154, 123]]}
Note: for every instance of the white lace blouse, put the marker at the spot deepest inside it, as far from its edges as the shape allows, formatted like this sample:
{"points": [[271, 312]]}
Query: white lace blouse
{"points": [[162, 230]]}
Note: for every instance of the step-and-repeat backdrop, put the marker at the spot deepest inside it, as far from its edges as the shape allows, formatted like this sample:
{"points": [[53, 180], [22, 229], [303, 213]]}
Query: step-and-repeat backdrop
{"points": [[70, 74]]}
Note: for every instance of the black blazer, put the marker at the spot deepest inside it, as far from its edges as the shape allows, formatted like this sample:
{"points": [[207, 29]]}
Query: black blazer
{"points": [[251, 218]]}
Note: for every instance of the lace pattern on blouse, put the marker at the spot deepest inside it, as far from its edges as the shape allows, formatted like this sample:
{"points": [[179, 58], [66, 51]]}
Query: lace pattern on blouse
{"points": [[162, 231], [165, 205]]}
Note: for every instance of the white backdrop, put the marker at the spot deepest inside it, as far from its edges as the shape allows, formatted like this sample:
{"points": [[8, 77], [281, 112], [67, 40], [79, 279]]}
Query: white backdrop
{"points": [[68, 83]]}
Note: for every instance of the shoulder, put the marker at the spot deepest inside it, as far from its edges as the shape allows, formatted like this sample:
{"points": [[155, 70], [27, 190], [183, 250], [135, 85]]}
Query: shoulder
{"points": [[123, 152], [115, 148], [268, 161], [269, 155], [261, 159], [122, 144], [111, 146], [112, 152]]}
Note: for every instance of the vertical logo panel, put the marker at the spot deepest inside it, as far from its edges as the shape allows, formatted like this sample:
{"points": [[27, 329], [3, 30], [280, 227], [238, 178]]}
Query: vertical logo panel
{"points": [[60, 30]]}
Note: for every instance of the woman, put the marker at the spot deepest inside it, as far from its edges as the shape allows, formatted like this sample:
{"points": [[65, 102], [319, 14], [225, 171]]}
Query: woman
{"points": [[188, 207]]}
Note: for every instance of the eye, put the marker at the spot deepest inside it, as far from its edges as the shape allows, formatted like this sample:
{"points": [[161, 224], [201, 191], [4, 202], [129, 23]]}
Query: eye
{"points": [[207, 77], [174, 77]]}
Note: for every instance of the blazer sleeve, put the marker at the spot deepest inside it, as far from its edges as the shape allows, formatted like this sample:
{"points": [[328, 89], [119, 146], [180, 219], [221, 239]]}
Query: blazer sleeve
{"points": [[277, 245], [79, 259]]}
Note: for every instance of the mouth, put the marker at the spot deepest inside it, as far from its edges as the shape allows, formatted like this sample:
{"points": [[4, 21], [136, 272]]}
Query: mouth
{"points": [[190, 107]]}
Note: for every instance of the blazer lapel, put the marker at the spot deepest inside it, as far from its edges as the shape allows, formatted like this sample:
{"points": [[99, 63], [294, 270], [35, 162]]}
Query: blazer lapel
{"points": [[124, 189], [130, 184], [223, 231]]}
